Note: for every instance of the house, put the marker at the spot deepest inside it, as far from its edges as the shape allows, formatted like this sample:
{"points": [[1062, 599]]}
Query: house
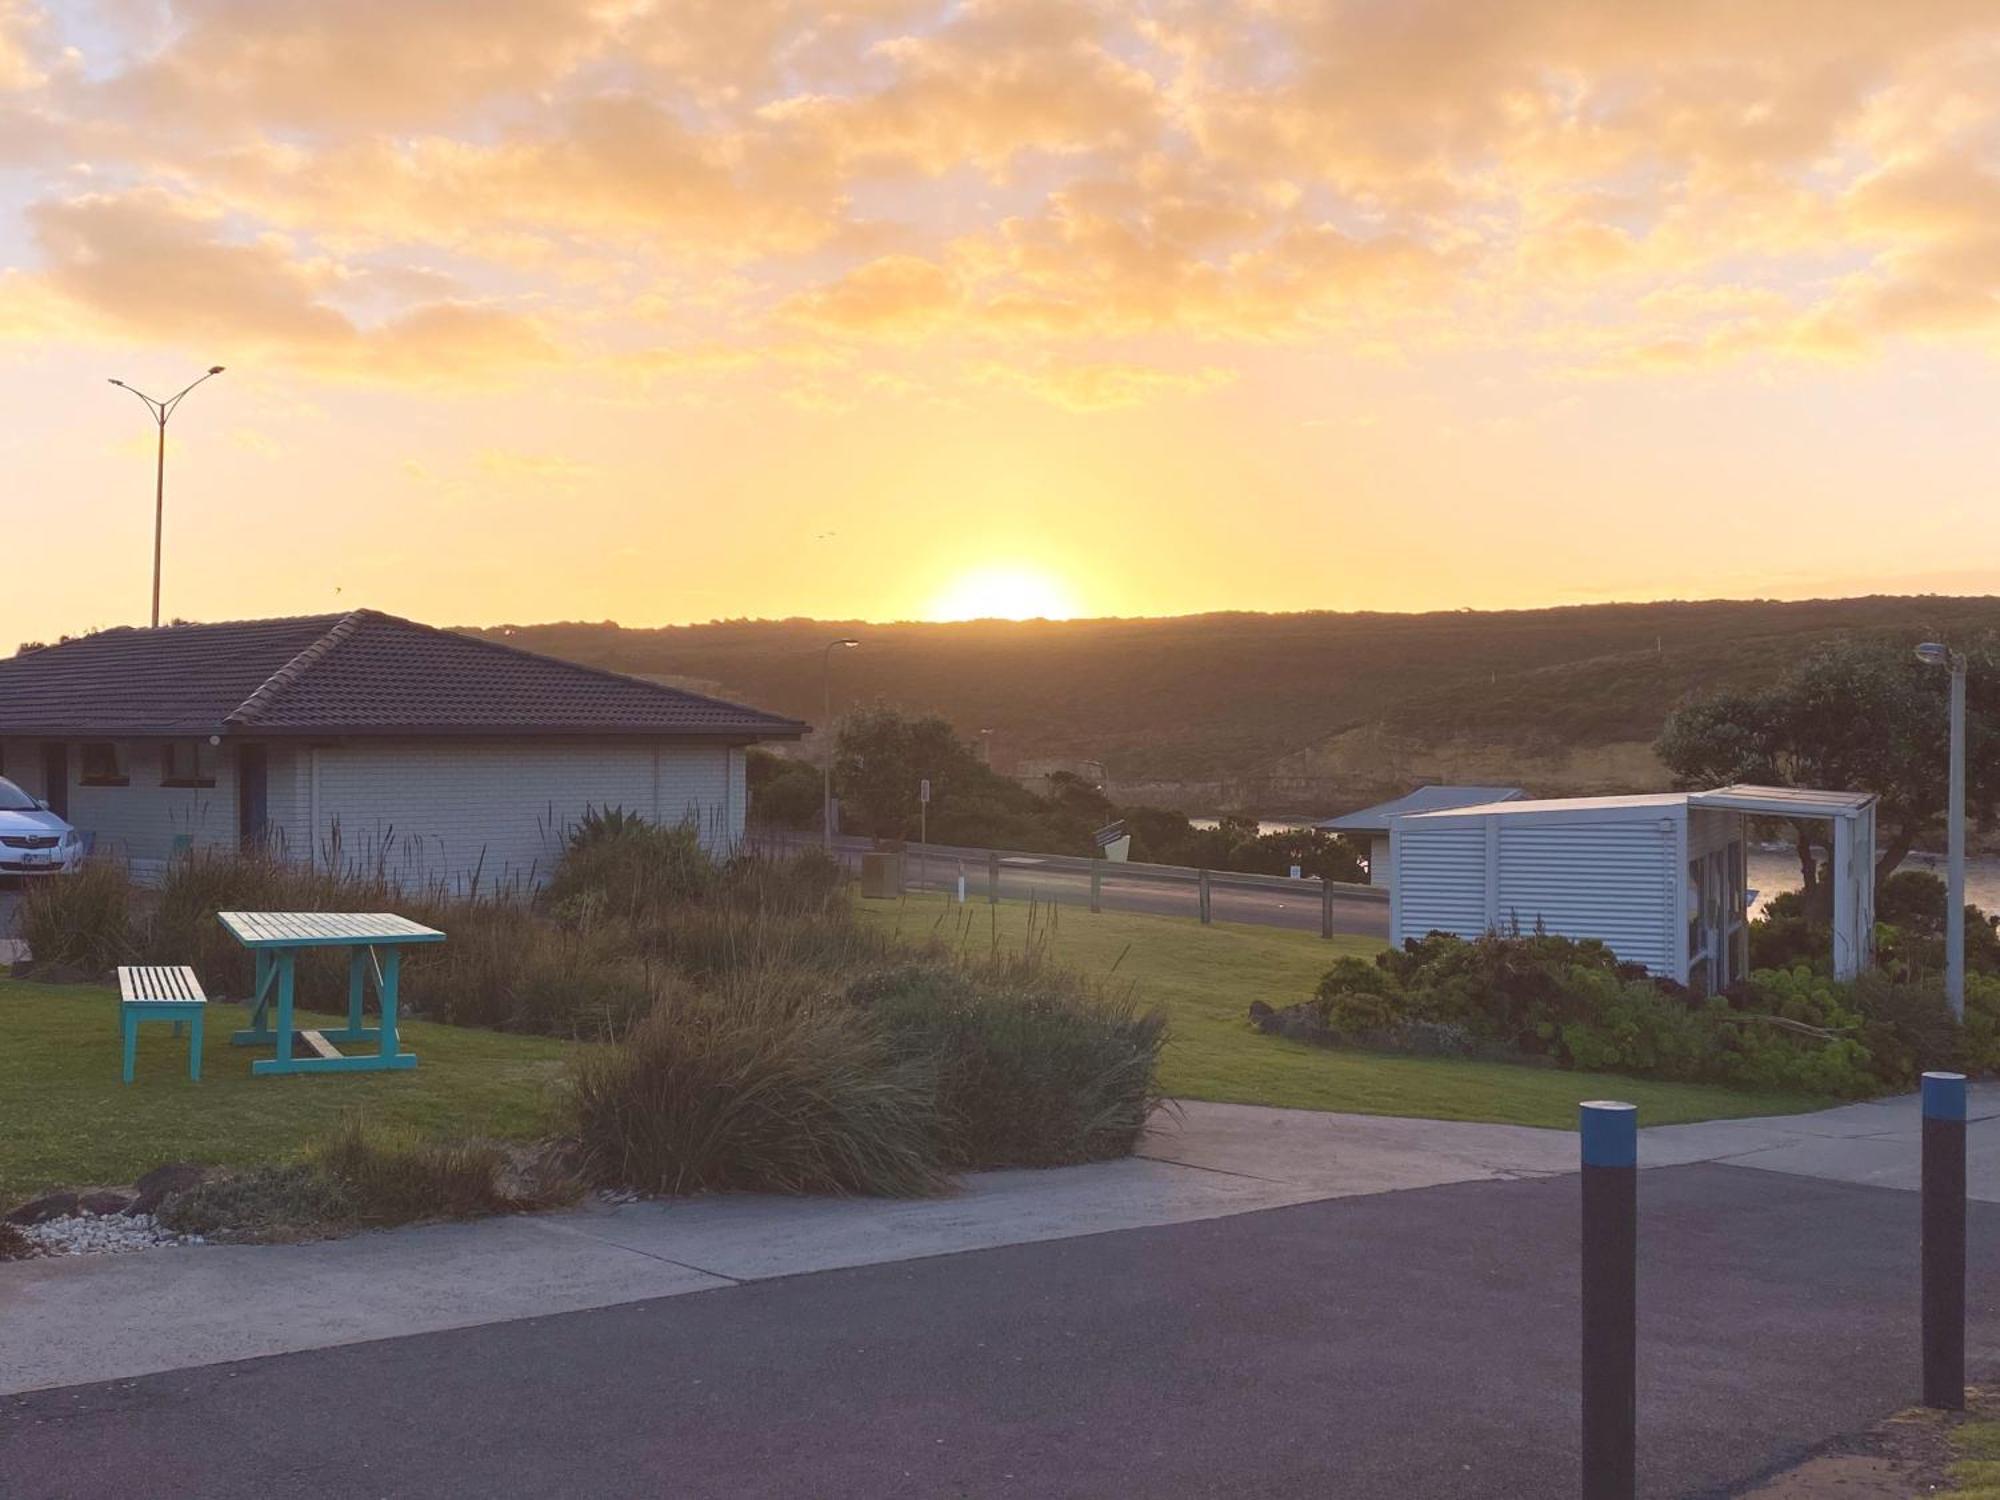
{"points": [[361, 740], [1372, 823], [1659, 878]]}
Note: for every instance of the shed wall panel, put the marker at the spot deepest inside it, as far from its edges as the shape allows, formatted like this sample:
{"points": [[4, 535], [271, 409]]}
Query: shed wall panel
{"points": [[1440, 875], [1610, 881]]}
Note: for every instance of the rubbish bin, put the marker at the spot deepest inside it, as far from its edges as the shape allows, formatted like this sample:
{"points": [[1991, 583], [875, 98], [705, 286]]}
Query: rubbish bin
{"points": [[881, 876]]}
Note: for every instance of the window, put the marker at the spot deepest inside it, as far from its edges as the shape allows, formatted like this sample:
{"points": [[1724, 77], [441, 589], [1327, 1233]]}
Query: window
{"points": [[187, 763], [104, 764]]}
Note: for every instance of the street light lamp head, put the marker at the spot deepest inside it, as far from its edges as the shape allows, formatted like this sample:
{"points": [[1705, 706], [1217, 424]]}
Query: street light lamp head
{"points": [[1932, 654], [114, 380], [847, 640], [215, 369]]}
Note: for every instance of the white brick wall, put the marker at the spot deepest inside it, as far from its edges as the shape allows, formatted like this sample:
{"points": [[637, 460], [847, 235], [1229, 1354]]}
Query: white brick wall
{"points": [[430, 810], [143, 821], [439, 810]]}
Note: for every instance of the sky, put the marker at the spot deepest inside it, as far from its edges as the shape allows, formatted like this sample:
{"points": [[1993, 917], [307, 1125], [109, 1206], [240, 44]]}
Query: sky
{"points": [[675, 310]]}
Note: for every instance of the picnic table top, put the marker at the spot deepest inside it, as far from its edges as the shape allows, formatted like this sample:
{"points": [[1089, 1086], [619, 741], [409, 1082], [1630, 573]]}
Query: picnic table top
{"points": [[323, 929]]}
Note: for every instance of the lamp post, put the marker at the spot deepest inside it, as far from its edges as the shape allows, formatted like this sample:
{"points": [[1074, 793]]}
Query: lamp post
{"points": [[1934, 654], [161, 410], [826, 719]]}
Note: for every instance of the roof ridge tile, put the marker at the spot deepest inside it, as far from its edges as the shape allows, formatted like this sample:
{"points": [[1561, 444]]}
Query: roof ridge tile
{"points": [[250, 708]]}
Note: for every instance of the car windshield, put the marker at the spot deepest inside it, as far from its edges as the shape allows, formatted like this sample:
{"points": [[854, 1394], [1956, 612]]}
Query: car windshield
{"points": [[13, 799]]}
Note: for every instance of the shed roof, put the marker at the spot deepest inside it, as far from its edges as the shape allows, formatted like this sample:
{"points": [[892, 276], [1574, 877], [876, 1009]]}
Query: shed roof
{"points": [[1782, 801], [1424, 799], [1636, 802], [359, 673]]}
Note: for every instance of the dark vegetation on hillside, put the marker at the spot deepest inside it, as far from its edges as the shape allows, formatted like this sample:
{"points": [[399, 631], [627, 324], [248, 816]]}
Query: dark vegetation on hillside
{"points": [[1220, 697]]}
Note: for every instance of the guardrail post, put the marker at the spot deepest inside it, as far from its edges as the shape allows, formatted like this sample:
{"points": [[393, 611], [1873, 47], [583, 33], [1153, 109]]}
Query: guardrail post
{"points": [[1096, 888], [1204, 896], [1944, 1241], [1610, 1137], [993, 878], [1325, 907]]}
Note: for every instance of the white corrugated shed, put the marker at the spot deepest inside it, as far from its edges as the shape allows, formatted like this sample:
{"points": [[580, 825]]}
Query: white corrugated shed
{"points": [[1660, 878]]}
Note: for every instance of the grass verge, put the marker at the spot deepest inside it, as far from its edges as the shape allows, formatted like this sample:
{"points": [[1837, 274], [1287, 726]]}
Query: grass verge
{"points": [[71, 1122], [1206, 977]]}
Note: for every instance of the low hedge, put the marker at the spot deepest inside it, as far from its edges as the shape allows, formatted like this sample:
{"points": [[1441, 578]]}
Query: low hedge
{"points": [[1572, 1004]]}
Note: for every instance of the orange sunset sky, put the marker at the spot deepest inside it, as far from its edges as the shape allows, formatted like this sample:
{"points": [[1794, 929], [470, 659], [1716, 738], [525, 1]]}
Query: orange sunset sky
{"points": [[669, 311]]}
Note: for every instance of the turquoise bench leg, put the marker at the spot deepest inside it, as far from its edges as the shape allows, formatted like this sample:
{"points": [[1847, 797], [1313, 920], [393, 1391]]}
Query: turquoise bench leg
{"points": [[130, 1027], [194, 1049]]}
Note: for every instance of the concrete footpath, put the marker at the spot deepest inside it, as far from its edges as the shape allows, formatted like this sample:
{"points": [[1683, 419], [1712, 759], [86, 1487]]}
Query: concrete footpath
{"points": [[83, 1319]]}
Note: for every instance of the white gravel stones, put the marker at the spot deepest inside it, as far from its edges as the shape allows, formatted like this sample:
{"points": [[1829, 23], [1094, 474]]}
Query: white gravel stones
{"points": [[108, 1234]]}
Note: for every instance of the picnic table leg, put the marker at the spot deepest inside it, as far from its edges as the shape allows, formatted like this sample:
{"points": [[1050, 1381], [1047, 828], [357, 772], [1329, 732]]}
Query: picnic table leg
{"points": [[283, 959], [129, 1024], [357, 988], [194, 1052], [259, 1029], [392, 967]]}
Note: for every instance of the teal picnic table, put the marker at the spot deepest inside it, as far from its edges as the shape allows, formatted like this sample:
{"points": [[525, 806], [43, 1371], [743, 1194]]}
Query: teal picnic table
{"points": [[276, 938]]}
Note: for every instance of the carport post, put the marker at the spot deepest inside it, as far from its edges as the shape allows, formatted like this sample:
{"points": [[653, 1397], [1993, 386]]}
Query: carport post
{"points": [[1944, 1241], [1610, 1136]]}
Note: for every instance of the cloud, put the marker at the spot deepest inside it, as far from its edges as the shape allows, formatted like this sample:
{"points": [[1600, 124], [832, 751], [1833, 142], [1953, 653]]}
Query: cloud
{"points": [[363, 184], [1103, 385], [148, 265]]}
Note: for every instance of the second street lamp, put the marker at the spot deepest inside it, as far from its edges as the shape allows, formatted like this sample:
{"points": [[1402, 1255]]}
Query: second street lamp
{"points": [[1933, 654], [161, 410], [826, 728]]}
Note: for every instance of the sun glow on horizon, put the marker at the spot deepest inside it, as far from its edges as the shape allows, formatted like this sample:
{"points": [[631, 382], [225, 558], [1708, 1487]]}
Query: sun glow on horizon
{"points": [[1003, 593]]}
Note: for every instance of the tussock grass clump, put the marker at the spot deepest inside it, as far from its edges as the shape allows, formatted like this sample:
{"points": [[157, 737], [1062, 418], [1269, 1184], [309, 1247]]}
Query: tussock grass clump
{"points": [[1035, 1066], [81, 921], [763, 1082]]}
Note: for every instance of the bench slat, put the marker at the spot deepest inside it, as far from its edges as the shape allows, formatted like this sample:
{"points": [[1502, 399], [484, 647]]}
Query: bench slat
{"points": [[160, 984]]}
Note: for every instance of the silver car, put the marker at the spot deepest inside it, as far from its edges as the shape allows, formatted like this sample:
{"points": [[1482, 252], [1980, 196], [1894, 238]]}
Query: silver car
{"points": [[33, 840]]}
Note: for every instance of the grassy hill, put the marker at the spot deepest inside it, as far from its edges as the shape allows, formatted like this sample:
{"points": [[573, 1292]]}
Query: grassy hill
{"points": [[1298, 712]]}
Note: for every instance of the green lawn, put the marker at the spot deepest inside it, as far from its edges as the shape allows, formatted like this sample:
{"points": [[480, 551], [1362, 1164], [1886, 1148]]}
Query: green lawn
{"points": [[1206, 978], [70, 1122]]}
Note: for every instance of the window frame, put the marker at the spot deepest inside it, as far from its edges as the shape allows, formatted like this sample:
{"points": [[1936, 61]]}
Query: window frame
{"points": [[121, 763], [199, 750]]}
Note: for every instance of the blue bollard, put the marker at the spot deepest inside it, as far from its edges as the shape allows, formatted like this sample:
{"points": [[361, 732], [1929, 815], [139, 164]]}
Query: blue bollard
{"points": [[1610, 1303], [1944, 1241]]}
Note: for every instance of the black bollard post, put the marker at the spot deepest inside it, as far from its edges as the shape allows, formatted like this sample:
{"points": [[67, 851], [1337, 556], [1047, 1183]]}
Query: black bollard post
{"points": [[1944, 1241], [1325, 907], [1610, 1276], [993, 878]]}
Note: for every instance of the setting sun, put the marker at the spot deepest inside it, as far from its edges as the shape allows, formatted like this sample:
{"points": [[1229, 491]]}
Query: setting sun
{"points": [[1004, 593]]}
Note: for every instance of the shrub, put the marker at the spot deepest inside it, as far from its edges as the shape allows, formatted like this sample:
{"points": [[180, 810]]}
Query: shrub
{"points": [[1575, 1004], [80, 921], [357, 1176], [759, 1082], [1033, 1066], [397, 1178], [628, 867]]}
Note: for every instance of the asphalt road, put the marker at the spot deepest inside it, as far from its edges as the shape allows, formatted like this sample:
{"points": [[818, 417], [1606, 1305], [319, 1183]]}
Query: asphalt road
{"points": [[1414, 1344]]}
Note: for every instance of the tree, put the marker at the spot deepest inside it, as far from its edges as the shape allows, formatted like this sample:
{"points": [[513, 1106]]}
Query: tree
{"points": [[1855, 716]]}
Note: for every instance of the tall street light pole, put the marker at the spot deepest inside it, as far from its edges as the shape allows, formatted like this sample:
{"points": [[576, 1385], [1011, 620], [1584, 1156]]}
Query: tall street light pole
{"points": [[1954, 885], [162, 410], [826, 728]]}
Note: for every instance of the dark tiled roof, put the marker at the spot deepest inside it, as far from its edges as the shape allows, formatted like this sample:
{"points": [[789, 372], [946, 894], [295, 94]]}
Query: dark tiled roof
{"points": [[362, 673]]}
